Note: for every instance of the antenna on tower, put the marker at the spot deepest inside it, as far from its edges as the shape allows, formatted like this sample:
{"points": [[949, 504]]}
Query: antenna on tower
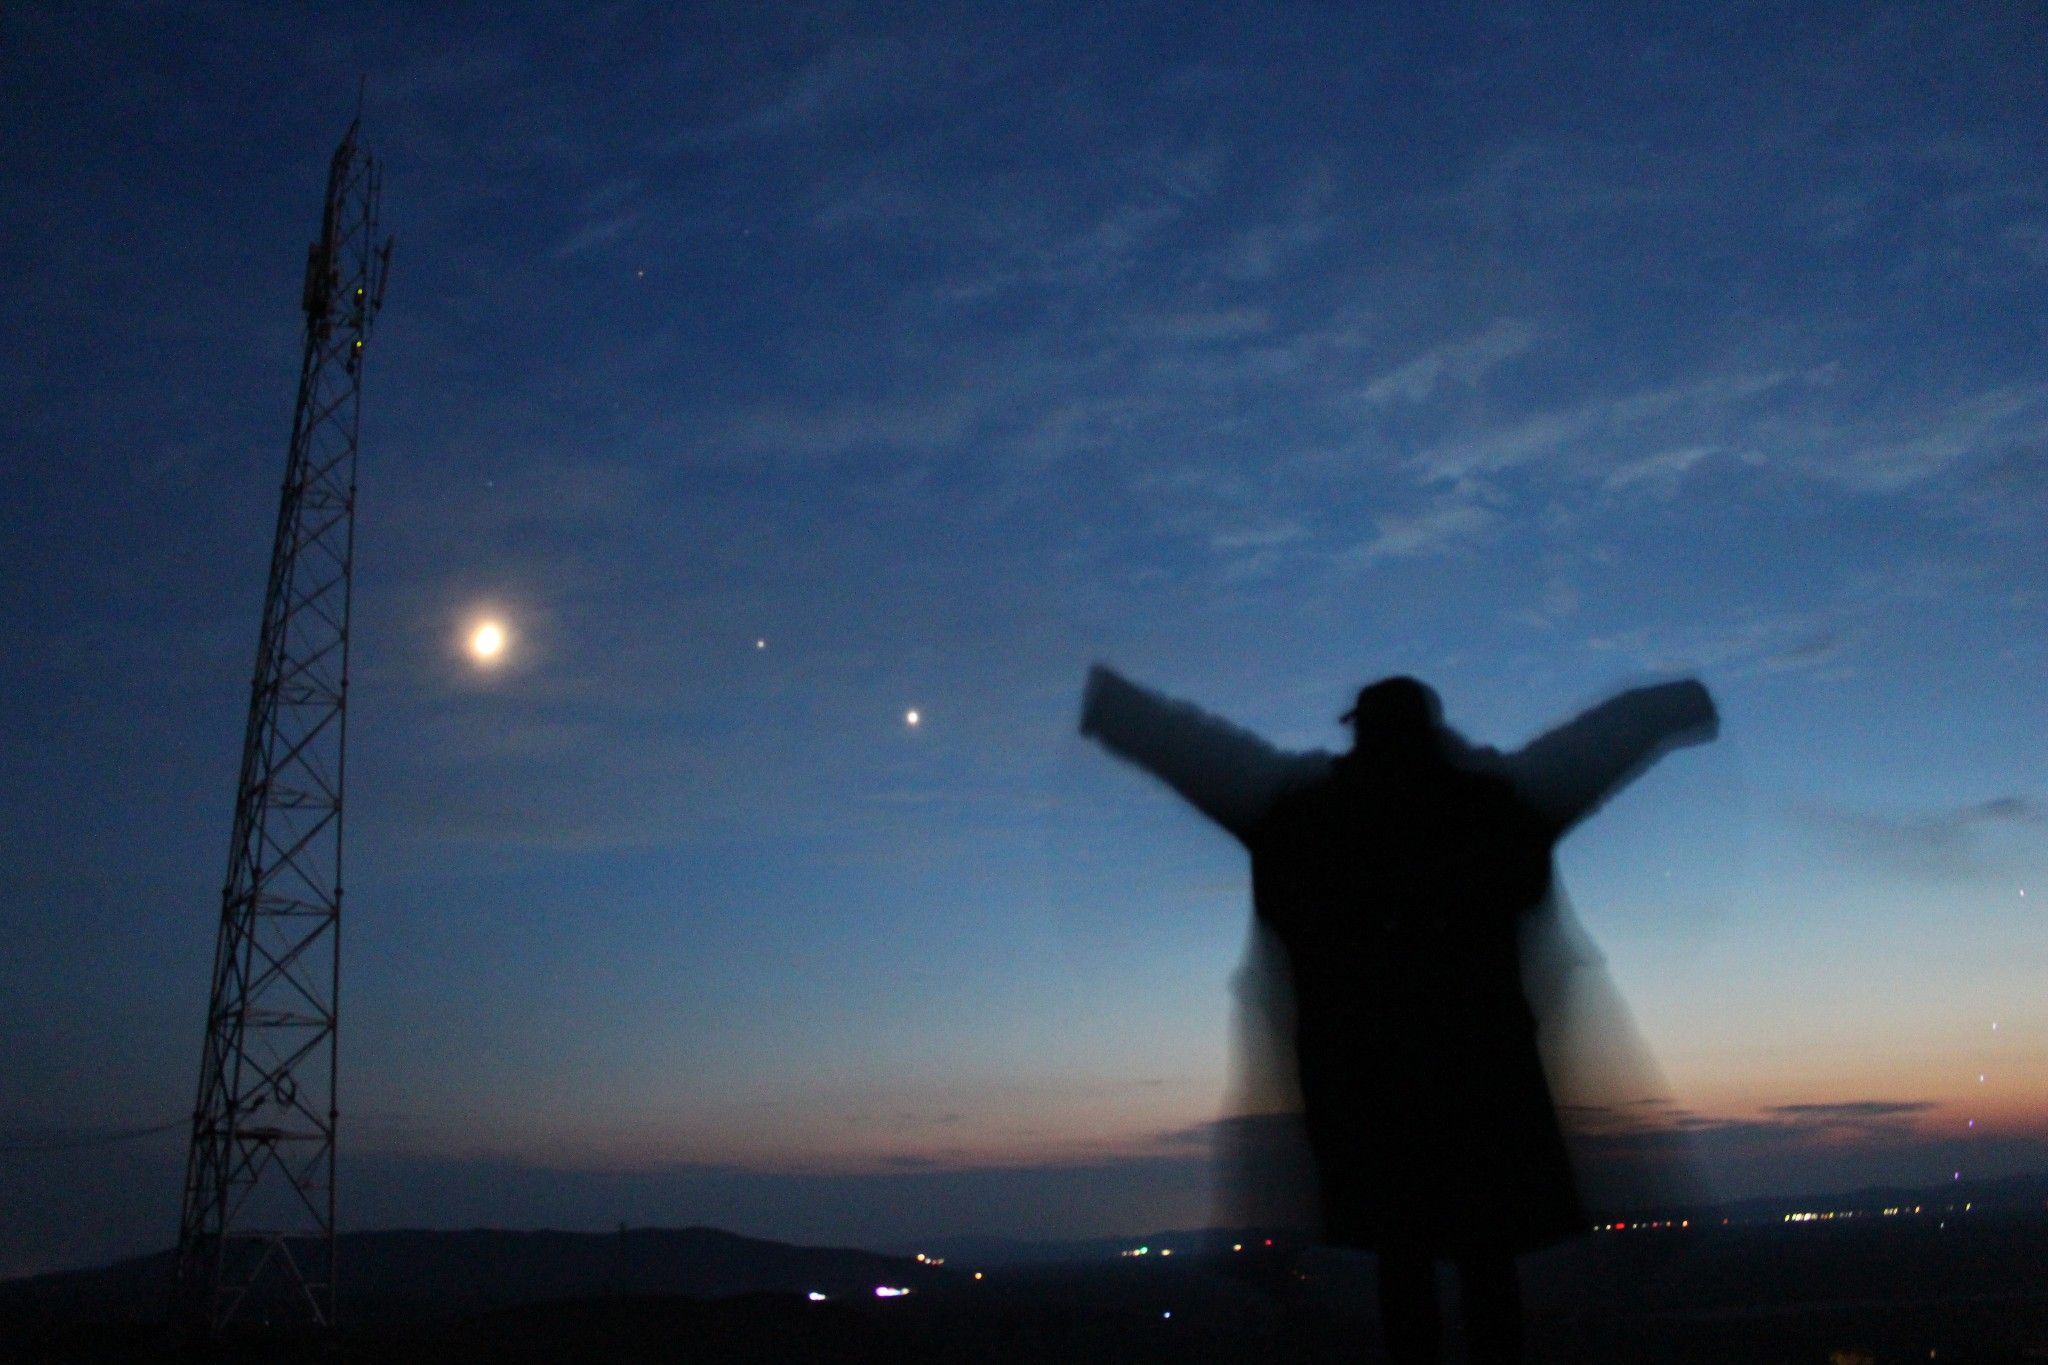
{"points": [[256, 1237]]}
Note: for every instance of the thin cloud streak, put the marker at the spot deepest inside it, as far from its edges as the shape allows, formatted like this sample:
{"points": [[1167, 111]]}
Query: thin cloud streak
{"points": [[1932, 846], [1460, 362]]}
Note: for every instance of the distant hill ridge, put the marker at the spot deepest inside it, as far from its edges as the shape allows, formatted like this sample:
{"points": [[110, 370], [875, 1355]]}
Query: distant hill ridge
{"points": [[418, 1273], [2027, 1193]]}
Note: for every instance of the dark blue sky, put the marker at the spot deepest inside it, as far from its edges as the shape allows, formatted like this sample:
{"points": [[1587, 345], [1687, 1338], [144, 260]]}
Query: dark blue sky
{"points": [[946, 352]]}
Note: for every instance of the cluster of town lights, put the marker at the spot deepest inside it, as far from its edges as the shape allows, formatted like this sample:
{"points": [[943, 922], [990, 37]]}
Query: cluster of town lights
{"points": [[1802, 1216], [1168, 1251], [884, 1291], [891, 1291], [1830, 1215], [1643, 1225]]}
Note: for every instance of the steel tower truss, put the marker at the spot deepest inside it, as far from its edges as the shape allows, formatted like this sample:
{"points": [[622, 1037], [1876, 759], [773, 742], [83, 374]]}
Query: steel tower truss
{"points": [[256, 1240]]}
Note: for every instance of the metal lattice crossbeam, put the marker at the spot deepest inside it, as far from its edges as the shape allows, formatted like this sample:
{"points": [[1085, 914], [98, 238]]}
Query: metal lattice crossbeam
{"points": [[256, 1240]]}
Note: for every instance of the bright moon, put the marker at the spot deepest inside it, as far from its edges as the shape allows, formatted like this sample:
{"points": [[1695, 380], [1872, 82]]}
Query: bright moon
{"points": [[488, 642], [911, 718]]}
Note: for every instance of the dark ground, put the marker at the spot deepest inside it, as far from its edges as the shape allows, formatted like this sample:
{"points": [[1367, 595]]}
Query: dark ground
{"points": [[1848, 1293]]}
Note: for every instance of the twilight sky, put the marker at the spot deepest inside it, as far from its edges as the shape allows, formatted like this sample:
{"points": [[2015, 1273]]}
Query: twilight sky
{"points": [[771, 371]]}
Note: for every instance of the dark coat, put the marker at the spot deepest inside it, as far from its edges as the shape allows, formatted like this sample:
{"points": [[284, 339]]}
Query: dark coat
{"points": [[1399, 895]]}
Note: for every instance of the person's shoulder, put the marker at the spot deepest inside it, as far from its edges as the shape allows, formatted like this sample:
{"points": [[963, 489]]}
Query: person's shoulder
{"points": [[1489, 779], [1474, 758], [1304, 777], [1309, 765]]}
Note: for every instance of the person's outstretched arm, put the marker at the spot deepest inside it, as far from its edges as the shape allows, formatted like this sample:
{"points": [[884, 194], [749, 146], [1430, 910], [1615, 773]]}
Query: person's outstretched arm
{"points": [[1567, 773], [1229, 774]]}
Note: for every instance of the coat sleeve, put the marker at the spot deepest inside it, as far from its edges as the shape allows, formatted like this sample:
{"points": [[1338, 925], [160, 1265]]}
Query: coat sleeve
{"points": [[1229, 774], [1568, 773]]}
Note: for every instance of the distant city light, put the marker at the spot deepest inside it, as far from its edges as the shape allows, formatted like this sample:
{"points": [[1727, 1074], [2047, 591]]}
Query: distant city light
{"points": [[883, 1291], [977, 1274], [815, 1297], [1167, 1314], [1652, 1224]]}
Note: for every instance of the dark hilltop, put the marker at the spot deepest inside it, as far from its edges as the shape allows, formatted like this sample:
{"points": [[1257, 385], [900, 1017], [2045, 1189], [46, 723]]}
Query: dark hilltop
{"points": [[1957, 1273]]}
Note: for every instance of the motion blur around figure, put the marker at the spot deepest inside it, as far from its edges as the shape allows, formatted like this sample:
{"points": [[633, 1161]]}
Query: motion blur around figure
{"points": [[1399, 882]]}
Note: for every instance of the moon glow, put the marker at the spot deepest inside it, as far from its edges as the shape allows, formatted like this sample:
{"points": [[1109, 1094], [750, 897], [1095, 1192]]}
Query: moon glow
{"points": [[487, 642]]}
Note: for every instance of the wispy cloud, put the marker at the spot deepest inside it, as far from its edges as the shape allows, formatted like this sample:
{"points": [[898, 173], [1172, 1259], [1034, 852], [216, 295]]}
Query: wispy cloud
{"points": [[1980, 425], [1444, 526], [1263, 536], [1944, 845], [1640, 1128], [1021, 239], [1660, 473], [829, 428], [1195, 325], [1853, 1113], [1464, 361], [602, 232], [1594, 438], [1779, 642], [1266, 249], [852, 74], [1559, 599], [1784, 419]]}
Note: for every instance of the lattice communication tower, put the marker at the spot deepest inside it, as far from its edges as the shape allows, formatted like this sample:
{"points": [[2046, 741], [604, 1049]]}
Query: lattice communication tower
{"points": [[256, 1239]]}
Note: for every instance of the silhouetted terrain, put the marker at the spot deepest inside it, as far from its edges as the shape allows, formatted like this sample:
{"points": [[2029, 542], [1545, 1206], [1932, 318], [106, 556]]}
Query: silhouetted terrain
{"points": [[412, 1275], [1968, 1286]]}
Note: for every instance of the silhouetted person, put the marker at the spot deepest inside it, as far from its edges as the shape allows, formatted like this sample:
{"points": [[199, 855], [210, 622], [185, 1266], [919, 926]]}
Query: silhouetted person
{"points": [[1397, 879]]}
